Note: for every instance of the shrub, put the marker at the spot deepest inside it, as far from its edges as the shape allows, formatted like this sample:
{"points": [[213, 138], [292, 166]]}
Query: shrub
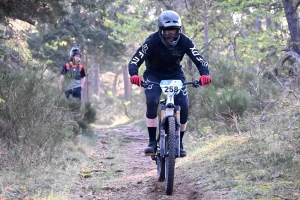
{"points": [[225, 105], [34, 122], [227, 102], [230, 102], [225, 76]]}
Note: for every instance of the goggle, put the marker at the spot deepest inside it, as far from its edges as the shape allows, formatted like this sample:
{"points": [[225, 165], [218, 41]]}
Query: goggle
{"points": [[170, 35]]}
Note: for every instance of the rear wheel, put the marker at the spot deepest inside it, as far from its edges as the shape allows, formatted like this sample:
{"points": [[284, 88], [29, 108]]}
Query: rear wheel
{"points": [[170, 158]]}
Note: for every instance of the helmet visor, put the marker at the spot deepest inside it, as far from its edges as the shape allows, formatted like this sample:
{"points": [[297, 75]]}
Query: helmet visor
{"points": [[170, 33]]}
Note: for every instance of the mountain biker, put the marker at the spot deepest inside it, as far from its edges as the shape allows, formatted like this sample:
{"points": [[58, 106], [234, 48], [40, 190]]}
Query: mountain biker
{"points": [[75, 72], [163, 51]]}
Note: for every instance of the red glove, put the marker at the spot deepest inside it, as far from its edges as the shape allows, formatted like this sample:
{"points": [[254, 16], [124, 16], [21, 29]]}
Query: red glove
{"points": [[204, 79], [137, 80]]}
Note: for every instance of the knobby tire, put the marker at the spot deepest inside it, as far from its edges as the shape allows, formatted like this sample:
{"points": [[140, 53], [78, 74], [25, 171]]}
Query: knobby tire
{"points": [[170, 159]]}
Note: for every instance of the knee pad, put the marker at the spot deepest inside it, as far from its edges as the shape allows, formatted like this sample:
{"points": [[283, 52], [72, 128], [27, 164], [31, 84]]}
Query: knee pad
{"points": [[184, 112], [152, 105]]}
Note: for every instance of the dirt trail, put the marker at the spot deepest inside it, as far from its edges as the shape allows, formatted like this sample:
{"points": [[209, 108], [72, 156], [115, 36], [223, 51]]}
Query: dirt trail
{"points": [[132, 175]]}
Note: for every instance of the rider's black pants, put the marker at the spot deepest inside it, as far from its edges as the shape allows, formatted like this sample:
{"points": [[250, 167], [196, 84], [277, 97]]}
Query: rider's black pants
{"points": [[153, 93], [76, 93]]}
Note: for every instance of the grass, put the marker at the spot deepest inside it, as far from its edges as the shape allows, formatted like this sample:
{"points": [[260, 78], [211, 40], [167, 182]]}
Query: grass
{"points": [[259, 163], [246, 168], [238, 167], [53, 182]]}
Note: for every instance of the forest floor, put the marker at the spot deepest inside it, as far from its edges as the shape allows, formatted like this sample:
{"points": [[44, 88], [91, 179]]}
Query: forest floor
{"points": [[110, 165], [120, 170]]}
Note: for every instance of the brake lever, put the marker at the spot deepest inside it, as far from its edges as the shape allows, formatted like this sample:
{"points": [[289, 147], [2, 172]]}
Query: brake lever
{"points": [[196, 83]]}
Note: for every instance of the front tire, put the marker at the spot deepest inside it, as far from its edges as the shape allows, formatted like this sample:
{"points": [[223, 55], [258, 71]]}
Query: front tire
{"points": [[170, 158]]}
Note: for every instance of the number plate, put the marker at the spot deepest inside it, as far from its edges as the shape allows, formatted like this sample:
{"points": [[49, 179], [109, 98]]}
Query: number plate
{"points": [[171, 86]]}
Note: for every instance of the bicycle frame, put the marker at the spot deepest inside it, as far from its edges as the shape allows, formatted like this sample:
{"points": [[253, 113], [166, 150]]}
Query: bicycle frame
{"points": [[170, 88]]}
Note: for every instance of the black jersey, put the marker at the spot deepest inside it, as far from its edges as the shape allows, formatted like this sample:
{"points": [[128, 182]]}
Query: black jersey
{"points": [[159, 58]]}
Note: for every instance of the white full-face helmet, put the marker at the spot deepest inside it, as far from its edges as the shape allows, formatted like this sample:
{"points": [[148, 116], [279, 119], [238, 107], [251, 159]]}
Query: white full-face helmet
{"points": [[75, 50], [169, 20]]}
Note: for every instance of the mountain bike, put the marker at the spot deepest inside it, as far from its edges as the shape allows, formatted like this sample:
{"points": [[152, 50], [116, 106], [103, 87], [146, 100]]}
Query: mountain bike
{"points": [[168, 141]]}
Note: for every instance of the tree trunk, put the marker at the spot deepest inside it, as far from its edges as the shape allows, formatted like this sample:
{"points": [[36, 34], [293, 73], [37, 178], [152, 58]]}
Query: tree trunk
{"points": [[206, 27], [115, 81], [95, 76], [290, 9], [126, 83], [268, 21], [85, 89], [258, 24]]}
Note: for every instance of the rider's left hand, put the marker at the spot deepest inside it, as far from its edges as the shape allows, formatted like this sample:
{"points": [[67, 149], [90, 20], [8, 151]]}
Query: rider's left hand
{"points": [[204, 79]]}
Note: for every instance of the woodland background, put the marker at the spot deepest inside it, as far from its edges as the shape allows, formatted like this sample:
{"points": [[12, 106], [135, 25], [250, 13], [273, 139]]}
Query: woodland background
{"points": [[252, 47]]}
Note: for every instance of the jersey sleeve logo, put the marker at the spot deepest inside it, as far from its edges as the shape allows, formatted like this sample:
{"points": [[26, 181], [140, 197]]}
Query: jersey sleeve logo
{"points": [[144, 48], [140, 55], [197, 55]]}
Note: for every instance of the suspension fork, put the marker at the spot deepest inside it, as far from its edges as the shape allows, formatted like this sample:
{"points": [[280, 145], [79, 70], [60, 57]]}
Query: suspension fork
{"points": [[163, 132], [177, 133]]}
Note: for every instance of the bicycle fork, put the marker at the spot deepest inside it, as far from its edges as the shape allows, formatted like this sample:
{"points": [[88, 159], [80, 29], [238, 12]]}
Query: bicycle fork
{"points": [[163, 132], [177, 133]]}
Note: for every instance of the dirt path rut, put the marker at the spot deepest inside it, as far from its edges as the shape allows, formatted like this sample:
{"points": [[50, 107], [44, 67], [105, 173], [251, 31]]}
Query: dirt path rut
{"points": [[120, 170]]}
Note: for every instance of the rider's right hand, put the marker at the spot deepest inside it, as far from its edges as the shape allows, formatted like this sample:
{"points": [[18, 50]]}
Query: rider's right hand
{"points": [[137, 80]]}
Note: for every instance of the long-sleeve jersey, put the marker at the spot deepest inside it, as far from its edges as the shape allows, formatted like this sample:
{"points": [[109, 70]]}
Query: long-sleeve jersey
{"points": [[162, 59], [75, 73]]}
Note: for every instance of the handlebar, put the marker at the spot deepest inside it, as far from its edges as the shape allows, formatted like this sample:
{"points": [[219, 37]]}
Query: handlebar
{"points": [[195, 83]]}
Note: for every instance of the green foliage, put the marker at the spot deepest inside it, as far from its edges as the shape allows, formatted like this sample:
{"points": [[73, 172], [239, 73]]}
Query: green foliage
{"points": [[75, 127], [83, 114], [230, 102], [226, 74], [83, 26], [262, 92], [90, 113], [246, 6], [128, 23], [73, 104], [33, 124], [105, 104], [87, 116], [46, 11], [223, 104], [117, 109]]}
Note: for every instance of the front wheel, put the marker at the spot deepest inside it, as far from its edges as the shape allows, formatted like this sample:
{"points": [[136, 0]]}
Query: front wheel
{"points": [[170, 158]]}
